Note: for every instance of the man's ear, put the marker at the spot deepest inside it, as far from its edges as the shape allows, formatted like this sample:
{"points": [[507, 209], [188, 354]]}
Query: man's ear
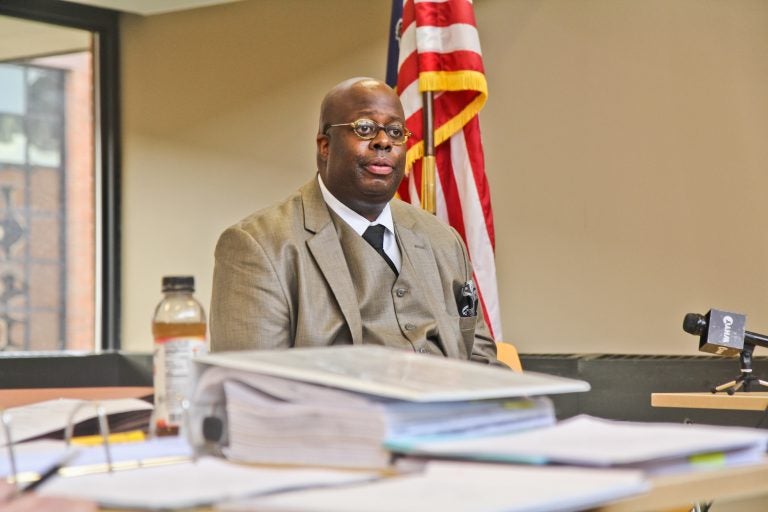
{"points": [[322, 147]]}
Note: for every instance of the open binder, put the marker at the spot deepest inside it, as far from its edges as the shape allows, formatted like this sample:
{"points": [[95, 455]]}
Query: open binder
{"points": [[24, 462], [50, 418]]}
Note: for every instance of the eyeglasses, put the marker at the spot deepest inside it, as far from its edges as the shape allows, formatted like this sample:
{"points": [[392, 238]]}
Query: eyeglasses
{"points": [[367, 129]]}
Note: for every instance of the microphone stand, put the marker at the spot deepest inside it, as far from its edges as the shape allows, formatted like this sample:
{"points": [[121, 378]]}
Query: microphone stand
{"points": [[745, 379]]}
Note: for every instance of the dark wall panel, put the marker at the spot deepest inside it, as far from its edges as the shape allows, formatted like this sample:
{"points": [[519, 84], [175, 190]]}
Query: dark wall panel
{"points": [[622, 385]]}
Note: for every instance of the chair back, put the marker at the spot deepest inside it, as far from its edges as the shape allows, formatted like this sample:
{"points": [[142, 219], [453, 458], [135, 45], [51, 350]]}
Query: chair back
{"points": [[507, 354]]}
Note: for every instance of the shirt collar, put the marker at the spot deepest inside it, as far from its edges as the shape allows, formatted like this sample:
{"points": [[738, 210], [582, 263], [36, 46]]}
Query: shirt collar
{"points": [[356, 221]]}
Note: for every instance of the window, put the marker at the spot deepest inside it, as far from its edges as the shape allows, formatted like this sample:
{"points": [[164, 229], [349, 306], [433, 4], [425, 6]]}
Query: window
{"points": [[47, 204], [59, 273]]}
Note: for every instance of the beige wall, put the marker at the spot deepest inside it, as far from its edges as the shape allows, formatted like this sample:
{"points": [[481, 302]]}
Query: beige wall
{"points": [[625, 146]]}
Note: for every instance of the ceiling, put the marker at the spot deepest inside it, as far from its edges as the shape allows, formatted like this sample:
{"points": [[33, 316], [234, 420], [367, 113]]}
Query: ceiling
{"points": [[148, 7]]}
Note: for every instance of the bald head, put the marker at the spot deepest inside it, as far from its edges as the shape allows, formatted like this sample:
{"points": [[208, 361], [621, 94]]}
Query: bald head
{"points": [[362, 173], [339, 97]]}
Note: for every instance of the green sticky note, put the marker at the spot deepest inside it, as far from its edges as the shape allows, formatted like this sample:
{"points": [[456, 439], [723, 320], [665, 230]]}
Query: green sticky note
{"points": [[708, 459]]}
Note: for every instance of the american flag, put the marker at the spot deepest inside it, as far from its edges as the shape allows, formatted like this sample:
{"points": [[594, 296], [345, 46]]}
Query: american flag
{"points": [[440, 52]]}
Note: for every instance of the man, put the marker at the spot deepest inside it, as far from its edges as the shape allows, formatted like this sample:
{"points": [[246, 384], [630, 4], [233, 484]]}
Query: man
{"points": [[306, 272]]}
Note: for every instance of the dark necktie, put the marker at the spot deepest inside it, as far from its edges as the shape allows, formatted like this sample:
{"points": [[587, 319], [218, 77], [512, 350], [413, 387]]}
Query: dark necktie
{"points": [[374, 235]]}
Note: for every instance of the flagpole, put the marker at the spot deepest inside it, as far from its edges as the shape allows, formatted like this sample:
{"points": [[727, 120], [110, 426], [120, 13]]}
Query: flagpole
{"points": [[455, 69], [428, 171]]}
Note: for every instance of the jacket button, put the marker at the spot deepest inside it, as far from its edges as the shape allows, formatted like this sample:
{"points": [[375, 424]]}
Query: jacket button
{"points": [[409, 327], [400, 292]]}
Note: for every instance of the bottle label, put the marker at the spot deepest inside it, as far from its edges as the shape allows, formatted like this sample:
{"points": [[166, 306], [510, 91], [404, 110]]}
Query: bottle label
{"points": [[173, 366]]}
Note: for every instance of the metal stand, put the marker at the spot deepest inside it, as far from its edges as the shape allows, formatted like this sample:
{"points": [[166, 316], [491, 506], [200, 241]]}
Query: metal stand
{"points": [[745, 379]]}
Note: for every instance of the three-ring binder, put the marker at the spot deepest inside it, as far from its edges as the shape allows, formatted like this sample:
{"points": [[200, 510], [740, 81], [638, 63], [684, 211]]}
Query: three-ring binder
{"points": [[103, 431], [114, 457]]}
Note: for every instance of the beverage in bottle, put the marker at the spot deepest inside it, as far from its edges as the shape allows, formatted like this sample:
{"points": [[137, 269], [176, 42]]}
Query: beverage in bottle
{"points": [[179, 330]]}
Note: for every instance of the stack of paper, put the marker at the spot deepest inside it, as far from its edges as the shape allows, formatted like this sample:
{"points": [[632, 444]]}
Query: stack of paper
{"points": [[655, 448], [337, 406], [191, 484], [273, 420]]}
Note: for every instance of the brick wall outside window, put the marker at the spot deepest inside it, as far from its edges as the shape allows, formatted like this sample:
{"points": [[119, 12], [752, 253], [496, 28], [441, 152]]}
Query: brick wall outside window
{"points": [[47, 209]]}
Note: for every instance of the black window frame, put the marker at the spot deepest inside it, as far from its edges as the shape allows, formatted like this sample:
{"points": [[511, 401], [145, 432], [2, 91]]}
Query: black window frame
{"points": [[105, 23]]}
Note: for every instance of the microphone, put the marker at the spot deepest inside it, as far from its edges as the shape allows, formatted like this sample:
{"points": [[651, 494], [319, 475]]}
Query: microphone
{"points": [[722, 333]]}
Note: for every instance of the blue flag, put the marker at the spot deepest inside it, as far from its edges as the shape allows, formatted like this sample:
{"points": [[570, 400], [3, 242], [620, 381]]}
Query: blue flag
{"points": [[393, 53]]}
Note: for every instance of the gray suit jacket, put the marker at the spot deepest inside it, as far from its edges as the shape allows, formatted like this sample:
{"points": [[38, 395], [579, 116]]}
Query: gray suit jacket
{"points": [[281, 280]]}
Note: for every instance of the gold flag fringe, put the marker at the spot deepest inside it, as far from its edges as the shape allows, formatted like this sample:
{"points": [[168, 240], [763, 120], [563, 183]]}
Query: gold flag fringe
{"points": [[449, 81]]}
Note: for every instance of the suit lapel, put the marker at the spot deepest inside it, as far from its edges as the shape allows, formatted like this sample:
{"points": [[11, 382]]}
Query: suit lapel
{"points": [[326, 249]]}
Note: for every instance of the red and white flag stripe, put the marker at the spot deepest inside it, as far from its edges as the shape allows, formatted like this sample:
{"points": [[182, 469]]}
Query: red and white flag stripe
{"points": [[440, 52]]}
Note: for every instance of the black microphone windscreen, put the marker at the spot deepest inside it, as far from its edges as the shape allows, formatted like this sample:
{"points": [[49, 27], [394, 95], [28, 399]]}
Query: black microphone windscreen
{"points": [[694, 323]]}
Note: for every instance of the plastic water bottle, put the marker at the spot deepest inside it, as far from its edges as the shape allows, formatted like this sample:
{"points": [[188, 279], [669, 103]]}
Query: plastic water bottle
{"points": [[179, 330]]}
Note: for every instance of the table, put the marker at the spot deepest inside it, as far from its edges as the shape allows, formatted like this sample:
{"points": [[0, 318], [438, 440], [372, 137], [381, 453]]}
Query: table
{"points": [[741, 401], [24, 396], [668, 492]]}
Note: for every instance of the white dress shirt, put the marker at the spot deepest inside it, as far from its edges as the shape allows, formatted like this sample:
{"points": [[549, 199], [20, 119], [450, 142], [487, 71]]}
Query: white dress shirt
{"points": [[359, 223]]}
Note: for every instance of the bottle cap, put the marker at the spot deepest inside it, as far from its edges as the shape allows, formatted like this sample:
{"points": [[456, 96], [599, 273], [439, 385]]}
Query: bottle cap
{"points": [[178, 283]]}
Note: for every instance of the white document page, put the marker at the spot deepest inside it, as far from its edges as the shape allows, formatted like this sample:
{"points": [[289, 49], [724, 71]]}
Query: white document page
{"points": [[589, 441], [178, 486], [463, 487], [29, 421], [34, 457]]}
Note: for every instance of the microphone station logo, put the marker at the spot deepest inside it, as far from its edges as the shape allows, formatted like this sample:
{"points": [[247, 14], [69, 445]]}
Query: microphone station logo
{"points": [[727, 323]]}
